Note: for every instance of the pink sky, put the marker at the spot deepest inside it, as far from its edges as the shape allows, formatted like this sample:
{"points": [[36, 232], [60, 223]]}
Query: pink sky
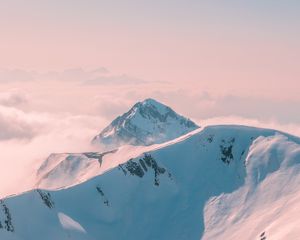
{"points": [[250, 48]]}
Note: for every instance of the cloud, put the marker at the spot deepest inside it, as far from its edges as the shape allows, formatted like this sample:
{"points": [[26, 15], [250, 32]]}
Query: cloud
{"points": [[27, 139], [98, 75], [95, 76], [16, 75], [110, 108], [203, 104], [13, 98], [62, 111], [15, 124], [74, 74], [258, 107], [115, 79]]}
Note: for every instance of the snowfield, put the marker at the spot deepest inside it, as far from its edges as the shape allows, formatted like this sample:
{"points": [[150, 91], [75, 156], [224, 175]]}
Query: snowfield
{"points": [[221, 182]]}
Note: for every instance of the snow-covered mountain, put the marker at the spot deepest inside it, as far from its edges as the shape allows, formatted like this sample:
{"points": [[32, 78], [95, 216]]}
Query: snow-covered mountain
{"points": [[223, 182], [62, 170], [147, 122]]}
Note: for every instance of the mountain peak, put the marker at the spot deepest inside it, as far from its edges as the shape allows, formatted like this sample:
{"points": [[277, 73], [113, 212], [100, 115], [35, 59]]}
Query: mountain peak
{"points": [[147, 122], [152, 102], [150, 106]]}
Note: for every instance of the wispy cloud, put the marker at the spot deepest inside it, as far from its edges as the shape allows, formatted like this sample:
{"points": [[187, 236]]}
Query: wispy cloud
{"points": [[203, 104], [15, 124], [61, 111], [115, 79], [13, 98], [98, 75], [27, 139], [17, 75]]}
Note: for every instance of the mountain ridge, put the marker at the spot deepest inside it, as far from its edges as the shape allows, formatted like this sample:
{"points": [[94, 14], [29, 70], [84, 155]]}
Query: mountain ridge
{"points": [[179, 191]]}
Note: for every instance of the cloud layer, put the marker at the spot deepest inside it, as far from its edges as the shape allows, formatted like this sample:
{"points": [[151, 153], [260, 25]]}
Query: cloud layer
{"points": [[60, 111]]}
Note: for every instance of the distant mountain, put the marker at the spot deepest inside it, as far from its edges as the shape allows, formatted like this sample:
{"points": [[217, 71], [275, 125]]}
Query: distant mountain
{"points": [[223, 182], [147, 122]]}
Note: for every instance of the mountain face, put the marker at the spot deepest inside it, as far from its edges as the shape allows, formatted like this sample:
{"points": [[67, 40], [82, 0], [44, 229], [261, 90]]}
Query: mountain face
{"points": [[146, 123], [224, 182]]}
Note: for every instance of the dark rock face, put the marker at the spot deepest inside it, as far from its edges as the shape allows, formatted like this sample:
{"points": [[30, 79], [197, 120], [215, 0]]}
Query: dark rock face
{"points": [[133, 168], [97, 155], [142, 163], [140, 168], [7, 223], [105, 200], [151, 163], [210, 138], [46, 197], [226, 150], [263, 236]]}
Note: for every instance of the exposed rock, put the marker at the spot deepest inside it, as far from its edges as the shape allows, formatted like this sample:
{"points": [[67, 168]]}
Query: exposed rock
{"points": [[46, 197], [226, 150], [8, 219]]}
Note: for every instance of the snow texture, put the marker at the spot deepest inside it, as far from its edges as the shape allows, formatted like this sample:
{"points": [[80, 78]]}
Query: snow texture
{"points": [[223, 182]]}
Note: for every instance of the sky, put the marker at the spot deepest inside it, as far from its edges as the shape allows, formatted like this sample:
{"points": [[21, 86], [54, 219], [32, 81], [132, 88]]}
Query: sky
{"points": [[69, 67]]}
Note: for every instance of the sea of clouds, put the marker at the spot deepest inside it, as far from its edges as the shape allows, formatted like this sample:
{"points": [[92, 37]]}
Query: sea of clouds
{"points": [[42, 113]]}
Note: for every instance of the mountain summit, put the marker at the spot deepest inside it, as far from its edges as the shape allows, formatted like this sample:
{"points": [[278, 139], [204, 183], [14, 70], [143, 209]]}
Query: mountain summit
{"points": [[147, 122]]}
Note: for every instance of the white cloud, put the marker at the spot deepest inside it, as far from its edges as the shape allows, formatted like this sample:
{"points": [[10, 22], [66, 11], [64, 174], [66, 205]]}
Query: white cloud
{"points": [[60, 112], [15, 124], [27, 139], [13, 98]]}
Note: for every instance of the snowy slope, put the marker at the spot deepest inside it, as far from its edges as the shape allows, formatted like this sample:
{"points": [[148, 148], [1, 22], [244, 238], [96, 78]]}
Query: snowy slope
{"points": [[62, 170], [146, 123], [66, 169], [225, 182], [268, 203]]}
